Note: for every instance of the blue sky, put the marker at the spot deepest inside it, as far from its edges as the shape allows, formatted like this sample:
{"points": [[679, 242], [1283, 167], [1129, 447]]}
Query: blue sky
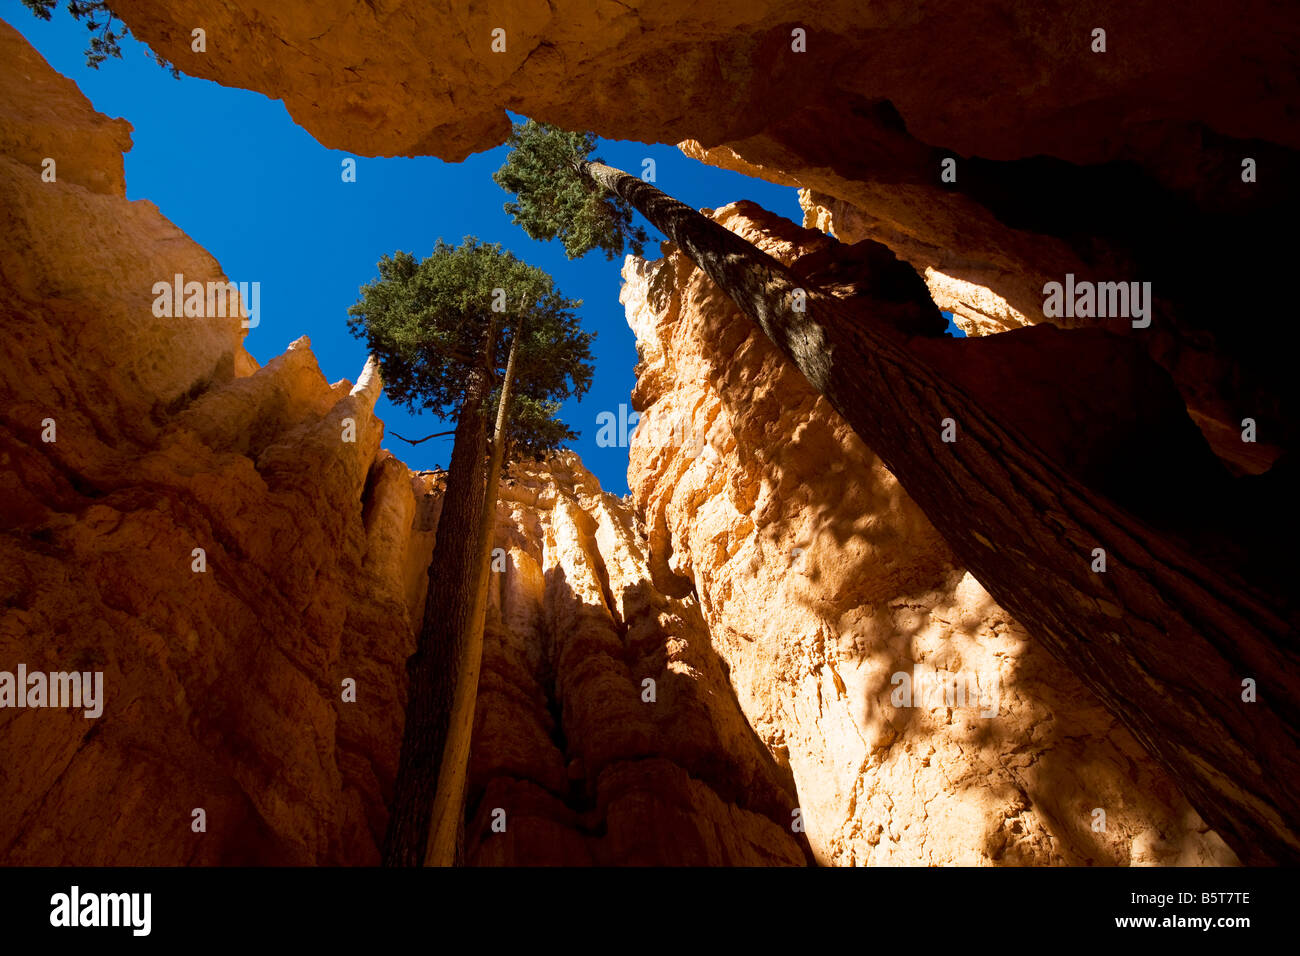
{"points": [[263, 197]]}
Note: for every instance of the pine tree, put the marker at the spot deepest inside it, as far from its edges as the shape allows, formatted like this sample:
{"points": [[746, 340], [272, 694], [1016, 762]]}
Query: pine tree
{"points": [[438, 328], [448, 808], [555, 201]]}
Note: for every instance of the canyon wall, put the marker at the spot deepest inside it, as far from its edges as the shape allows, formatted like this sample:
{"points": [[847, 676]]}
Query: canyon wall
{"points": [[607, 731], [189, 525], [267, 688], [822, 582], [233, 551], [334, 64], [127, 442], [996, 150]]}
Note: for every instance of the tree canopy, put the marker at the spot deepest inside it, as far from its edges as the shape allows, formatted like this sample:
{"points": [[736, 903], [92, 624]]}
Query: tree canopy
{"points": [[554, 200], [428, 322]]}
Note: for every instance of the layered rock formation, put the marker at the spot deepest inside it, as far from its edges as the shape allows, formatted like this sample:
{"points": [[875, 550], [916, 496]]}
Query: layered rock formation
{"points": [[193, 527], [822, 583], [607, 731], [333, 63], [975, 308], [171, 521]]}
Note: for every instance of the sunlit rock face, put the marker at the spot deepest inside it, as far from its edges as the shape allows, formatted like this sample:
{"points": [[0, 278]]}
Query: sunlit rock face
{"points": [[607, 731], [822, 585]]}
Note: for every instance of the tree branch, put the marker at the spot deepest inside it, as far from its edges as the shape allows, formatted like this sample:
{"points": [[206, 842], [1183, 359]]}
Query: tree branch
{"points": [[416, 441]]}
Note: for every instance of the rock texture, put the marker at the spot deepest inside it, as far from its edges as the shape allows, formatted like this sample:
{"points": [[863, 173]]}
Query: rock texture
{"points": [[128, 441], [975, 308], [820, 580], [988, 244], [334, 64], [588, 762]]}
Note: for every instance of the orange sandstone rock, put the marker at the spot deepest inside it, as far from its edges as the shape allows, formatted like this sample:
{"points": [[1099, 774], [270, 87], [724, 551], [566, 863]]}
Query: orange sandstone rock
{"points": [[821, 582]]}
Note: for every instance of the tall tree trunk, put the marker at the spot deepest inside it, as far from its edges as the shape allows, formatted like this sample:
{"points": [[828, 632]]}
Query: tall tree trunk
{"points": [[447, 609], [449, 802], [1164, 641]]}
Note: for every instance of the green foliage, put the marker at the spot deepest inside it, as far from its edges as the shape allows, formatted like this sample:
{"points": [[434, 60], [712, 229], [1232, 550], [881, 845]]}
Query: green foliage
{"points": [[554, 199], [42, 8], [428, 322], [104, 41]]}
